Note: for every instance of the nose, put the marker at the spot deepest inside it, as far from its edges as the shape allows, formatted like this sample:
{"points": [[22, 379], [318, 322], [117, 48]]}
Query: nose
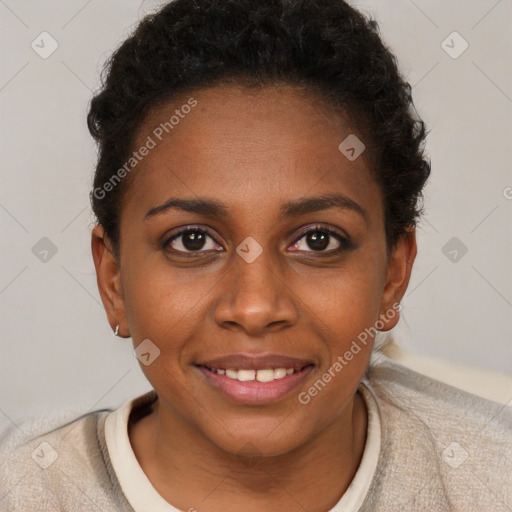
{"points": [[255, 298]]}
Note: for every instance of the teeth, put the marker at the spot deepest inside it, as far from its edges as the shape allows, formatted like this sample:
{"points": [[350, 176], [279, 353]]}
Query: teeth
{"points": [[244, 375], [279, 373], [266, 375]]}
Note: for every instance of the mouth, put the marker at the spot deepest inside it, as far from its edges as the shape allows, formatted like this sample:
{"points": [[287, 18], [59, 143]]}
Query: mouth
{"points": [[254, 381]]}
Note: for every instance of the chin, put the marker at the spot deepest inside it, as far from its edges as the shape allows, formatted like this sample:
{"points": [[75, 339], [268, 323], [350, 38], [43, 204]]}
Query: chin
{"points": [[258, 436]]}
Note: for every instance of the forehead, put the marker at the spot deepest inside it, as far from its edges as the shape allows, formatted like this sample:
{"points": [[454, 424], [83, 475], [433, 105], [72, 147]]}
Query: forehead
{"points": [[268, 144]]}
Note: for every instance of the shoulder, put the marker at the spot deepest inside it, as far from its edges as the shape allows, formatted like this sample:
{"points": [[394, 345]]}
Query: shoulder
{"points": [[46, 462], [443, 441], [438, 404]]}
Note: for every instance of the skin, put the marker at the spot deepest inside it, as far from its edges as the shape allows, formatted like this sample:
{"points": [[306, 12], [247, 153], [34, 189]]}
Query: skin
{"points": [[253, 150]]}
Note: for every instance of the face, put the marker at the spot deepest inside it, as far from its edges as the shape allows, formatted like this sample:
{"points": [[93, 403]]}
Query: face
{"points": [[230, 261]]}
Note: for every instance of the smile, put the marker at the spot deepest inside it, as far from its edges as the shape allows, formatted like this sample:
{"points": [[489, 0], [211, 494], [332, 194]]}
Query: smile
{"points": [[265, 375], [255, 386]]}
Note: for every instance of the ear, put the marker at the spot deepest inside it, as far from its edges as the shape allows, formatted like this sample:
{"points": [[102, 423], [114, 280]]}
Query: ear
{"points": [[398, 274], [108, 276]]}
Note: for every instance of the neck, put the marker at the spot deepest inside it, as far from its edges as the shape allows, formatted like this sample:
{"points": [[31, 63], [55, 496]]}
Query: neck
{"points": [[190, 472]]}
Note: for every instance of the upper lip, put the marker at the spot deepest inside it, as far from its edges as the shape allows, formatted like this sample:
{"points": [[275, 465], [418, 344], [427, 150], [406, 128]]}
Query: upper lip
{"points": [[254, 362]]}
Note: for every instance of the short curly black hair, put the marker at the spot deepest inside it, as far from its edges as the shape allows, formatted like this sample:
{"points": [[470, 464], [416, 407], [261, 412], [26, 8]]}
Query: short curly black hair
{"points": [[324, 45]]}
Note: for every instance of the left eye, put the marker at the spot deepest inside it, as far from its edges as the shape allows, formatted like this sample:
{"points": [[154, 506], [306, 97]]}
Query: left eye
{"points": [[321, 240]]}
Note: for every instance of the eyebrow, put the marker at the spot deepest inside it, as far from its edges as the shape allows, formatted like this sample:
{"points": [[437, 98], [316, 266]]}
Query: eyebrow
{"points": [[295, 208]]}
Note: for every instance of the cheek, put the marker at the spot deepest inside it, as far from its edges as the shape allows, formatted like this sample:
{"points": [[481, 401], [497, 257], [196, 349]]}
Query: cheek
{"points": [[345, 299], [161, 302], [345, 306]]}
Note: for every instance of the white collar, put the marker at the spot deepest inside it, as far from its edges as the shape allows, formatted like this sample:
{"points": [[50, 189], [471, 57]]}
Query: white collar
{"points": [[142, 496]]}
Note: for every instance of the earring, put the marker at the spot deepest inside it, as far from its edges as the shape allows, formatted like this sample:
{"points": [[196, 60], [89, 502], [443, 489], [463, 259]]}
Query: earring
{"points": [[116, 332]]}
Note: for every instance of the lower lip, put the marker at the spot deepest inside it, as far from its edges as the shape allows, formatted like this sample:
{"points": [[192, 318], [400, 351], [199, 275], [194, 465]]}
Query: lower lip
{"points": [[254, 392]]}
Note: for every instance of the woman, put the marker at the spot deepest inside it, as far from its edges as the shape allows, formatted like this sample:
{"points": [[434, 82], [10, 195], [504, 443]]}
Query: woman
{"points": [[257, 190]]}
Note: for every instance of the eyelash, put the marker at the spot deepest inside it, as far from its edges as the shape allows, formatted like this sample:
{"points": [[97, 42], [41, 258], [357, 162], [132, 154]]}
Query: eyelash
{"points": [[345, 243]]}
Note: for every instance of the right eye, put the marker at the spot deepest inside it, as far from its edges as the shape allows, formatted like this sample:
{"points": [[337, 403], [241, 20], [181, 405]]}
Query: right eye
{"points": [[189, 240]]}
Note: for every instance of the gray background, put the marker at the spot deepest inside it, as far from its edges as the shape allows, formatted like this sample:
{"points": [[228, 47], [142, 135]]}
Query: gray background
{"points": [[57, 349]]}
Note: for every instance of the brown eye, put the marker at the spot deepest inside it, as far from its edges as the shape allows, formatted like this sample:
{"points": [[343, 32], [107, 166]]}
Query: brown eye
{"points": [[191, 240], [322, 240]]}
